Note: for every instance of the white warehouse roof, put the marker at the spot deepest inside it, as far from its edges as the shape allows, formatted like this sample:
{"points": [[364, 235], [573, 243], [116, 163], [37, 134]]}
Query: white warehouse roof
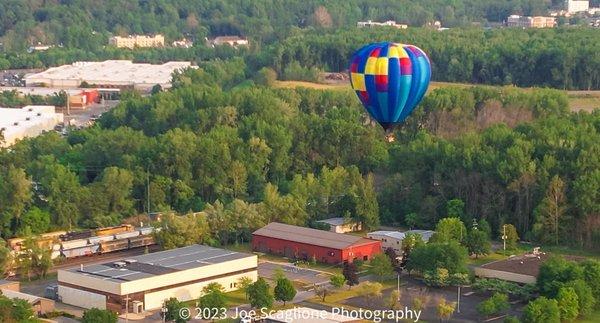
{"points": [[28, 121], [108, 73]]}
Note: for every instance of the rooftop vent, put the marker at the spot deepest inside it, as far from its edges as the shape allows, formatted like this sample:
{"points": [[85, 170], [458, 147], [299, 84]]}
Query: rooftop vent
{"points": [[27, 119], [15, 124], [39, 114]]}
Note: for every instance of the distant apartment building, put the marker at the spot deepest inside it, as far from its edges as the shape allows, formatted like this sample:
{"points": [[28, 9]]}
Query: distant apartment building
{"points": [[133, 41], [531, 22], [574, 6], [233, 41], [389, 23]]}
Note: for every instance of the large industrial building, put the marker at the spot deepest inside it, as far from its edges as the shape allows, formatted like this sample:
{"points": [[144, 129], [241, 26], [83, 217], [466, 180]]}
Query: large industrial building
{"points": [[108, 74], [28, 121], [145, 282], [393, 239], [305, 243]]}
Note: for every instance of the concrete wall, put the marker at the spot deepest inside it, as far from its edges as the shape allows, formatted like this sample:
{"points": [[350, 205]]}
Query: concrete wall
{"points": [[504, 275], [81, 298], [193, 291]]}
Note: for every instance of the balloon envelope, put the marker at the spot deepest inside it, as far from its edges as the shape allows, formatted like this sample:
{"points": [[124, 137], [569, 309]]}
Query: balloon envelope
{"points": [[390, 80]]}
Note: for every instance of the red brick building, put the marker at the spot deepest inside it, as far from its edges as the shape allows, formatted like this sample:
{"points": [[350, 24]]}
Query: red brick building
{"points": [[304, 243]]}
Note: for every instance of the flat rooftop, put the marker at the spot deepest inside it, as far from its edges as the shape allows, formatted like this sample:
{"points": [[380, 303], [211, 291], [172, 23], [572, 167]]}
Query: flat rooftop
{"points": [[336, 221], [528, 264], [310, 236], [160, 263], [111, 71], [392, 234]]}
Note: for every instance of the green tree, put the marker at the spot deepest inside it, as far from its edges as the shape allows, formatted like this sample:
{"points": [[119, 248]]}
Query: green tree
{"points": [[555, 273], [36, 219], [266, 76], [511, 236], [493, 305], [350, 272], [95, 315], [591, 275], [541, 310], [449, 229], [393, 299], [381, 266], [6, 259], [259, 294], [585, 296], [284, 290], [173, 306], [568, 304], [551, 211], [337, 280], [371, 290], [245, 282], [213, 297], [179, 231], [478, 242], [431, 256]]}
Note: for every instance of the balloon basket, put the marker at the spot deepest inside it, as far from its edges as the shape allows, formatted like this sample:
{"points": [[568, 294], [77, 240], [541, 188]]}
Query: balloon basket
{"points": [[389, 136]]}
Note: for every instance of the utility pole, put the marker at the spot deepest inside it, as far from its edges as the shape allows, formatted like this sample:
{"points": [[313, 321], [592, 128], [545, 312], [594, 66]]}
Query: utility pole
{"points": [[398, 287], [148, 187], [504, 238], [458, 301]]}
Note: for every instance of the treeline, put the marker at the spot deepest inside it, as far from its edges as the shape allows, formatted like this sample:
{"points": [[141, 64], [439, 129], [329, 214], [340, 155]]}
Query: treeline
{"points": [[565, 58], [87, 24], [219, 143]]}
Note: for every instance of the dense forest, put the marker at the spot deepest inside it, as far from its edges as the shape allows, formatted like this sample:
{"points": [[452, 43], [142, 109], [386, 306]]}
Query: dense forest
{"points": [[300, 36], [247, 154], [86, 24]]}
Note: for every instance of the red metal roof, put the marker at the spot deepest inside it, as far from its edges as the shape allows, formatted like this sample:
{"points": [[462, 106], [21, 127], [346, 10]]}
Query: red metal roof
{"points": [[311, 236]]}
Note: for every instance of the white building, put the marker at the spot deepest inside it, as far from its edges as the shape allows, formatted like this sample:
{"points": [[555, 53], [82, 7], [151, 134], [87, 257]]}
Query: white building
{"points": [[341, 225], [574, 6], [393, 239], [29, 121], [389, 23], [389, 239], [233, 41], [108, 74], [145, 282]]}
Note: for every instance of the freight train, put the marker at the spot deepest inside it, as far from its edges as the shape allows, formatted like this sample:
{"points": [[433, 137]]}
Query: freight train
{"points": [[90, 242]]}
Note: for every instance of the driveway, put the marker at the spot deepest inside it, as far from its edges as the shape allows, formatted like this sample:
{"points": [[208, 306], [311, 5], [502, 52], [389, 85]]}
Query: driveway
{"points": [[294, 273]]}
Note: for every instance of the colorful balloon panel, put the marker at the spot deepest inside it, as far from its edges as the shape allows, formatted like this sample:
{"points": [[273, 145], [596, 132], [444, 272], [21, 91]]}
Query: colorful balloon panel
{"points": [[390, 80]]}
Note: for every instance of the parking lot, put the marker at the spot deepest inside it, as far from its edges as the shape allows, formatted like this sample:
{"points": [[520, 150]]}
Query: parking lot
{"points": [[304, 275]]}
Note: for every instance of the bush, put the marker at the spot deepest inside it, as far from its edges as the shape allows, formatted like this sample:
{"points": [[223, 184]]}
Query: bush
{"points": [[96, 315], [493, 305], [541, 310], [266, 76]]}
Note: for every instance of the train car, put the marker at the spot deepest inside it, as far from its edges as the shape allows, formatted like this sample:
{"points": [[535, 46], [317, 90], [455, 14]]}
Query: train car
{"points": [[98, 239], [146, 231], [76, 235], [53, 235], [127, 235], [141, 241], [114, 230], [80, 251], [115, 245], [73, 244]]}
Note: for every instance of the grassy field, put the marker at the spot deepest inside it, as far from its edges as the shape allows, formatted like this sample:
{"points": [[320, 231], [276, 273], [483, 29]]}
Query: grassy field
{"points": [[578, 100]]}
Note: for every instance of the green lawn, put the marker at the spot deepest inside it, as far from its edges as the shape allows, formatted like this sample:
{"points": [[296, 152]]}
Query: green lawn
{"points": [[235, 298]]}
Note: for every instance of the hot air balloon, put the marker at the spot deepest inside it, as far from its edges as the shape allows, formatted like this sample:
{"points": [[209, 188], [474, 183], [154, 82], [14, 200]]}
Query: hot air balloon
{"points": [[390, 79]]}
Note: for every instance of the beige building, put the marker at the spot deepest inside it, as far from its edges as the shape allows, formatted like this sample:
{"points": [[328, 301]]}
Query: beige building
{"points": [[140, 41], [341, 225], [145, 282], [531, 22], [108, 74]]}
